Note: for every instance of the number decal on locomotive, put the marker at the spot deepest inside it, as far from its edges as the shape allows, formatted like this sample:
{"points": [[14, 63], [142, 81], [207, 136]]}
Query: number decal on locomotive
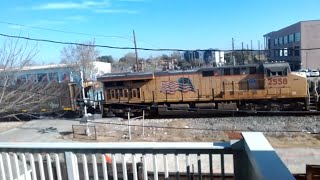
{"points": [[277, 81]]}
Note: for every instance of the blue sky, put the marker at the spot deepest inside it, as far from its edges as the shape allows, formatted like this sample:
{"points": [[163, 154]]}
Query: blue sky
{"points": [[183, 24]]}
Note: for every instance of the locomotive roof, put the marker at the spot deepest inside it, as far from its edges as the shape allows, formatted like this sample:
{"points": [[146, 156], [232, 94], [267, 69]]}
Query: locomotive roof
{"points": [[276, 66], [126, 76]]}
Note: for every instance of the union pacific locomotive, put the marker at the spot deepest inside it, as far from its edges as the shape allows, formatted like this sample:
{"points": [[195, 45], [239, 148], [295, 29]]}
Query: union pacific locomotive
{"points": [[265, 87]]}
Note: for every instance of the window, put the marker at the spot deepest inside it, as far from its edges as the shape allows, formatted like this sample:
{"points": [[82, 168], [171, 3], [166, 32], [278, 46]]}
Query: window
{"points": [[244, 71], [236, 71], [297, 37], [117, 93], [276, 42], [280, 40], [252, 70], [125, 93], [21, 79], [281, 52], [121, 93], [42, 77], [276, 53], [285, 39], [112, 93], [53, 77], [226, 72], [275, 73], [290, 52], [207, 73], [108, 94], [297, 51], [138, 92], [285, 52], [290, 38], [134, 93]]}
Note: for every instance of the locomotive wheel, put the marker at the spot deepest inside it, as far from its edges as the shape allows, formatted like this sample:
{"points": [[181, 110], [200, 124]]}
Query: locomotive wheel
{"points": [[274, 107]]}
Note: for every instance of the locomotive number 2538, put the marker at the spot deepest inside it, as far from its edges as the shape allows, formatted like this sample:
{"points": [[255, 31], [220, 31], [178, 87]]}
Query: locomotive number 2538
{"points": [[277, 81]]}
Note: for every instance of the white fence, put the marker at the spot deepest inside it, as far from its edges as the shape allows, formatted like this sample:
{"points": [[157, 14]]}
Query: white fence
{"points": [[249, 158]]}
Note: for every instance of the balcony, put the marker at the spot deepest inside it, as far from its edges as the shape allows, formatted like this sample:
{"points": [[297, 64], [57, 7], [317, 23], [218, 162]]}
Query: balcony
{"points": [[251, 157]]}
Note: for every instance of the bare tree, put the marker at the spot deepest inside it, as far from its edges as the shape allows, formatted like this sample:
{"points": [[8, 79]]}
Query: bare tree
{"points": [[81, 57], [18, 94]]}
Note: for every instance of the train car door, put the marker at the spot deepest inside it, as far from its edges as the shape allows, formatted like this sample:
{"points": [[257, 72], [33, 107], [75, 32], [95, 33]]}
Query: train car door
{"points": [[207, 84]]}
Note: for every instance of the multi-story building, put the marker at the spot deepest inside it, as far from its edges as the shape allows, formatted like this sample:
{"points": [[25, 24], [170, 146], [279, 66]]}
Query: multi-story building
{"points": [[209, 56], [296, 44]]}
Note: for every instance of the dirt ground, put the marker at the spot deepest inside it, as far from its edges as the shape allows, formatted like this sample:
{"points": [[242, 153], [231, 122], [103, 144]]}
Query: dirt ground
{"points": [[5, 126], [183, 132]]}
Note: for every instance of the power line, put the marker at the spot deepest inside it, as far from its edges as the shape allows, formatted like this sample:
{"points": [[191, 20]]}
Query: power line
{"points": [[129, 48], [72, 32]]}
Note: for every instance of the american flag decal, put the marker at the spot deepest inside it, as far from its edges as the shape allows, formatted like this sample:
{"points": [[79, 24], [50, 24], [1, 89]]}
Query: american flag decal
{"points": [[182, 85]]}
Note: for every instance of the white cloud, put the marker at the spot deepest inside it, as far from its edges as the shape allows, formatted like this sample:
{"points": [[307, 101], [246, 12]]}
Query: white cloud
{"points": [[120, 11], [72, 5]]}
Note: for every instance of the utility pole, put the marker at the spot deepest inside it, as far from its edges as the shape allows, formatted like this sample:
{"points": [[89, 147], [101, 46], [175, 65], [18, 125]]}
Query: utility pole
{"points": [[232, 58], [259, 48], [251, 50], [242, 53], [136, 51]]}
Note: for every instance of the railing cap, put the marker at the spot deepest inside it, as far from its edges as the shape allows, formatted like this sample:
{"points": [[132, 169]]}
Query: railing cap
{"points": [[116, 145]]}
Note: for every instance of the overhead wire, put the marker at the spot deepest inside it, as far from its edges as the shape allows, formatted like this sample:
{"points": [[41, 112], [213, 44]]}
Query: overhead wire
{"points": [[133, 48], [77, 33]]}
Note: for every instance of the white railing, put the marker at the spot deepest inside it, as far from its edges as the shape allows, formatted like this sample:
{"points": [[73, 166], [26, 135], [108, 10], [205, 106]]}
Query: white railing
{"points": [[140, 160]]}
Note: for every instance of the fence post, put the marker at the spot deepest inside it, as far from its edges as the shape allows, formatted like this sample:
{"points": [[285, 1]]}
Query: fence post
{"points": [[71, 171], [143, 123], [129, 126]]}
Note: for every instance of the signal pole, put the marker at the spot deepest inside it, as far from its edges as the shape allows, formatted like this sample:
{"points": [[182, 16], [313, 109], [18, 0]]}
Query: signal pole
{"points": [[136, 51]]}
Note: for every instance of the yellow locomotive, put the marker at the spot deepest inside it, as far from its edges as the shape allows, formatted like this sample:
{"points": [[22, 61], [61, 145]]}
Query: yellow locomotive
{"points": [[268, 86]]}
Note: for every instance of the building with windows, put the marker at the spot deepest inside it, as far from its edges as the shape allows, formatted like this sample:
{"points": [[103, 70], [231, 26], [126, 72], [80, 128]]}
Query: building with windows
{"points": [[210, 56], [295, 44]]}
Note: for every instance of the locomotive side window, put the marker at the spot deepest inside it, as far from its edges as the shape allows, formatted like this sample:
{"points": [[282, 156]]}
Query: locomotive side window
{"points": [[134, 93], [138, 92], [244, 71], [252, 70], [236, 71], [207, 73], [275, 73], [108, 94], [227, 71], [112, 94], [117, 93]]}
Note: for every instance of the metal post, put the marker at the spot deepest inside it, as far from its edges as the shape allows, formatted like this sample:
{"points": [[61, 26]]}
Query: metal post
{"points": [[129, 126], [85, 107], [143, 123]]}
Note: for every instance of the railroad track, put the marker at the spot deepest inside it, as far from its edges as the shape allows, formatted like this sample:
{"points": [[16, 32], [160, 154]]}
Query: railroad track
{"points": [[206, 113]]}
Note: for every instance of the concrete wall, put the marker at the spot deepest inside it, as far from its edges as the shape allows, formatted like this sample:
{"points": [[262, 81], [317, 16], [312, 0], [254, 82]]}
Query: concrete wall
{"points": [[310, 38]]}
